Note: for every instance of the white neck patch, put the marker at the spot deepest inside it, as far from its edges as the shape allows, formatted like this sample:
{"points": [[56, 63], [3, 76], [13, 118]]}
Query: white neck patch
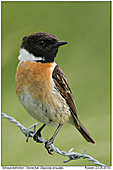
{"points": [[26, 56]]}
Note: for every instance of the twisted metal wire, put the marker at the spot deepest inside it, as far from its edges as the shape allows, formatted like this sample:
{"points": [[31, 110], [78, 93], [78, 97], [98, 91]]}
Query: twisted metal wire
{"points": [[30, 133]]}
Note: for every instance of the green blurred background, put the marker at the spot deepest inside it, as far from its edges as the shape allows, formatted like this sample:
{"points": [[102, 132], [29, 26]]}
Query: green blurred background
{"points": [[86, 63]]}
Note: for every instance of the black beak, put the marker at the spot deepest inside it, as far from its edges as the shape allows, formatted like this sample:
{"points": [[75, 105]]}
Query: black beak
{"points": [[59, 43]]}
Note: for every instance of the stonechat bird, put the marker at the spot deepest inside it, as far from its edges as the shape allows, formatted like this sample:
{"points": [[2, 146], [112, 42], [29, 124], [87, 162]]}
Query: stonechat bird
{"points": [[42, 87]]}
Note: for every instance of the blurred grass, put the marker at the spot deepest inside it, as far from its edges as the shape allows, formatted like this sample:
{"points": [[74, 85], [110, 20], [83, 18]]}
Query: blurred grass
{"points": [[86, 63]]}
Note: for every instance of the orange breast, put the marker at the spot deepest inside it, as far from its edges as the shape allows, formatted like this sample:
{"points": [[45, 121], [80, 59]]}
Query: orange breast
{"points": [[36, 78]]}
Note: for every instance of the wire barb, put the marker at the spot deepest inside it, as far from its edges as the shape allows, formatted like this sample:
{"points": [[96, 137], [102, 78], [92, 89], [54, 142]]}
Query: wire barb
{"points": [[30, 133]]}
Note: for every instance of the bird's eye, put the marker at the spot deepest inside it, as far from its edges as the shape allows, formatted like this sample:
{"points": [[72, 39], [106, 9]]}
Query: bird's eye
{"points": [[41, 42]]}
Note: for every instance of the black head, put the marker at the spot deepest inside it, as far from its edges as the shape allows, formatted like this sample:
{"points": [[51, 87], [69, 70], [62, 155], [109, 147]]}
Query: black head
{"points": [[43, 45]]}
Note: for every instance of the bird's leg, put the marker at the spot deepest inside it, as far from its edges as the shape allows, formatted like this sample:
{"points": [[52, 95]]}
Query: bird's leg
{"points": [[51, 140], [38, 133]]}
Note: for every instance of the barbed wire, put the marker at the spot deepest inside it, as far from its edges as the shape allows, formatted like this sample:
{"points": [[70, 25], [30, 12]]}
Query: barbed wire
{"points": [[28, 132]]}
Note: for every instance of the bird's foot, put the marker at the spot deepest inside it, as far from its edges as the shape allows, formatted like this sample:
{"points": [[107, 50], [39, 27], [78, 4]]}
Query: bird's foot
{"points": [[47, 146], [38, 134], [35, 137]]}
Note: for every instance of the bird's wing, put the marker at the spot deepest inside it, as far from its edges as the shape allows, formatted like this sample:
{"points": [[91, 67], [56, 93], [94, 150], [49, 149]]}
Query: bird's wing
{"points": [[64, 89]]}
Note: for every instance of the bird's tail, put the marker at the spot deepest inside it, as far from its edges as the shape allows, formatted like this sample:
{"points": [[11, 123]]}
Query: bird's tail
{"points": [[85, 133], [82, 129]]}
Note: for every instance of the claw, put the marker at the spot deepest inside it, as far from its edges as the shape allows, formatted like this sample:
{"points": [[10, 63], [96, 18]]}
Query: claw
{"points": [[49, 151], [47, 146], [38, 134], [35, 137]]}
